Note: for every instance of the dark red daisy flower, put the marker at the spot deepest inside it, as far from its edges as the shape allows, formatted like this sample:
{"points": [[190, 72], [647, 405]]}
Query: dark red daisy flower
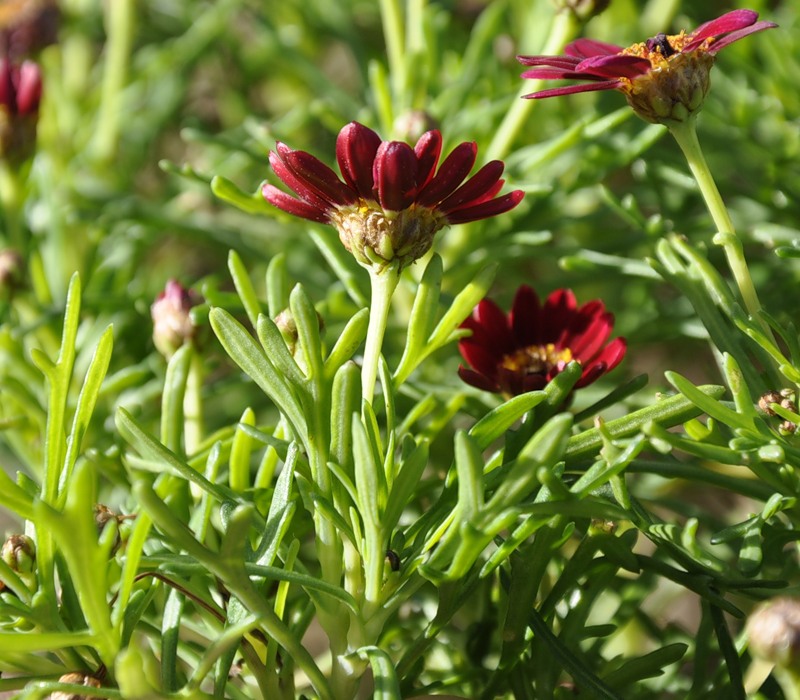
{"points": [[392, 200], [522, 351], [664, 79]]}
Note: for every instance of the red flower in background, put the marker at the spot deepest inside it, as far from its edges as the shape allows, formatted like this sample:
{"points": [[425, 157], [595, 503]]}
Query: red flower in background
{"points": [[392, 200], [522, 351], [657, 75]]}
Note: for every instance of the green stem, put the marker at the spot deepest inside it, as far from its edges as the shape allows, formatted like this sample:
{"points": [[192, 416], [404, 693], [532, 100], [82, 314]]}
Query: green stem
{"points": [[11, 198], [685, 134], [193, 405], [383, 283], [393, 33], [564, 27], [120, 29], [789, 680]]}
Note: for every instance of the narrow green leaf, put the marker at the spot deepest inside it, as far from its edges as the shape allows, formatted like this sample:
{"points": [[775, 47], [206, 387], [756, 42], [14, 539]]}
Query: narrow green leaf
{"points": [[277, 351], [469, 467], [348, 342], [277, 282], [421, 322], [462, 307], [152, 449], [172, 398], [240, 345], [281, 509], [254, 203], [407, 480], [500, 419], [170, 629], [666, 412], [244, 287], [307, 322], [707, 404], [387, 686], [648, 666], [241, 452]]}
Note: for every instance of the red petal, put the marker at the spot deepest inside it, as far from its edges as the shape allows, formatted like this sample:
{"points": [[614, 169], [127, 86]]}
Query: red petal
{"points": [[573, 89], [729, 22], [427, 150], [319, 177], [356, 147], [727, 40], [451, 174], [557, 74], [475, 188], [295, 183], [29, 89], [485, 210], [479, 381], [563, 62], [493, 322], [479, 357], [395, 174], [557, 310], [293, 206], [584, 48], [524, 316], [614, 66], [585, 346]]}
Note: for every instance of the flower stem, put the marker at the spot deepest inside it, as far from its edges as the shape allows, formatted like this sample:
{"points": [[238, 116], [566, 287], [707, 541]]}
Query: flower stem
{"points": [[393, 34], [686, 136], [564, 27], [193, 405], [383, 282], [120, 21]]}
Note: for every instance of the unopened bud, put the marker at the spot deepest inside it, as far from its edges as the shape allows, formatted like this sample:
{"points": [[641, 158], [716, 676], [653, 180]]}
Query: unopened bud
{"points": [[11, 273], [172, 323], [76, 679], [19, 552], [288, 328], [20, 93], [411, 125]]}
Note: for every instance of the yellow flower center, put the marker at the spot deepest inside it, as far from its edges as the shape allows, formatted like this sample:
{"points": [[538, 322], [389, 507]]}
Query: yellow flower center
{"points": [[662, 48], [536, 359]]}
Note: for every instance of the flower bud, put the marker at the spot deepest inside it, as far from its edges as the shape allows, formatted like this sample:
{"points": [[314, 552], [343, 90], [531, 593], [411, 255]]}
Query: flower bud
{"points": [[767, 399], [11, 273], [76, 679], [288, 328], [411, 125], [774, 632], [172, 323], [19, 552], [20, 93]]}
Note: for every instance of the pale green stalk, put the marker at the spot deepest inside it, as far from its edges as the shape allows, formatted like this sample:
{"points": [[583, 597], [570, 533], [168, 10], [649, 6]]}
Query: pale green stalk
{"points": [[193, 405], [685, 134], [394, 36], [120, 20], [383, 283]]}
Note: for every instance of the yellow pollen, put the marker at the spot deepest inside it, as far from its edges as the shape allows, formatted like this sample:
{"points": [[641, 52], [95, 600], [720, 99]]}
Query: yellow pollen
{"points": [[677, 42], [536, 359]]}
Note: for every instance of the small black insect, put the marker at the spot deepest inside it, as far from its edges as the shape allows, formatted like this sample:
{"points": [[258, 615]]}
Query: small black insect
{"points": [[660, 41]]}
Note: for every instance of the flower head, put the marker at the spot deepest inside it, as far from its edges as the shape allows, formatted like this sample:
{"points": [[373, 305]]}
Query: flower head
{"points": [[665, 79], [774, 631], [392, 200], [524, 350], [172, 322], [20, 93]]}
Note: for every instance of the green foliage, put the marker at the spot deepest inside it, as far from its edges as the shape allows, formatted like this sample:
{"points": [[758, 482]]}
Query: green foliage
{"points": [[277, 532]]}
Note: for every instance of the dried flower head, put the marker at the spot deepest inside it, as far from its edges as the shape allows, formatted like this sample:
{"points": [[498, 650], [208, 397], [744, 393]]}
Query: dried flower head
{"points": [[665, 79], [172, 322], [76, 679], [392, 200], [774, 632], [524, 350]]}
